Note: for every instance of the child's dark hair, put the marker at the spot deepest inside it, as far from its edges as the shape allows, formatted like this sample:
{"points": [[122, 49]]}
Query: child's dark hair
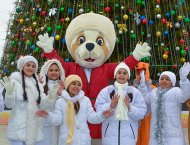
{"points": [[77, 106], [24, 89], [46, 85]]}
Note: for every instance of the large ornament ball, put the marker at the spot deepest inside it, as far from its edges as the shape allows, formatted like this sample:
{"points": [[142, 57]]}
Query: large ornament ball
{"points": [[34, 24], [158, 33], [116, 22], [67, 19], [107, 9], [158, 16], [175, 66], [177, 48], [183, 52], [177, 25], [182, 60], [57, 37], [81, 11], [125, 17], [21, 21], [180, 18], [165, 56], [148, 35]]}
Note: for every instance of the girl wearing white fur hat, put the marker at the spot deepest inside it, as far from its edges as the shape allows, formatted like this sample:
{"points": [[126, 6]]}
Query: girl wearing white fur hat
{"points": [[52, 75], [165, 103], [128, 105], [24, 95], [72, 111]]}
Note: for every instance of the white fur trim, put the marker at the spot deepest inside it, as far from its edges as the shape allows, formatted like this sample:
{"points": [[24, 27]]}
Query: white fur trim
{"points": [[122, 65], [45, 67], [25, 59], [91, 21], [171, 75]]}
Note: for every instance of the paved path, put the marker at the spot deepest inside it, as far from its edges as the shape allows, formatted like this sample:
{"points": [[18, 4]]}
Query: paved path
{"points": [[3, 138]]}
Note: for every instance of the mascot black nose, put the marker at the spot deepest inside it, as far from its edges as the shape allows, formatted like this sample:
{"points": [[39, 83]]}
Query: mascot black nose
{"points": [[90, 46]]}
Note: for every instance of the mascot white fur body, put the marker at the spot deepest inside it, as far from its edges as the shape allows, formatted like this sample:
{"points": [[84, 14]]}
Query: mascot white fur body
{"points": [[90, 39]]}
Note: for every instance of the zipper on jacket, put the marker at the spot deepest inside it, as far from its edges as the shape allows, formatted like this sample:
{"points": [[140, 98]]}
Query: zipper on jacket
{"points": [[106, 130], [119, 132], [132, 131]]}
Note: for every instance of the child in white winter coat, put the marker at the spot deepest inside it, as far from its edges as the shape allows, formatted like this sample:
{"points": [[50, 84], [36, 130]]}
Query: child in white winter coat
{"points": [[128, 105], [165, 102], [52, 75], [72, 111], [24, 95]]}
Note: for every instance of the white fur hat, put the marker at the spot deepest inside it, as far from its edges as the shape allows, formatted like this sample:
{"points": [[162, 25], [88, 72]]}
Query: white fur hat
{"points": [[91, 21], [122, 65], [171, 75], [45, 67], [25, 59]]}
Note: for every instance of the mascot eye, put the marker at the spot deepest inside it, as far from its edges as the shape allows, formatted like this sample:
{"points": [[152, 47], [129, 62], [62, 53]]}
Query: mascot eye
{"points": [[100, 41], [81, 40]]}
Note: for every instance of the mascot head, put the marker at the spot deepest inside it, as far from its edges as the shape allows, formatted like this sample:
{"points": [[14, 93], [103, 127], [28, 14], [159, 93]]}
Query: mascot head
{"points": [[90, 39]]}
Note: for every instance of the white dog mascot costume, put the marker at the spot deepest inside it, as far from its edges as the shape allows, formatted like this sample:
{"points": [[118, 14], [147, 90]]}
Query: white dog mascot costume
{"points": [[90, 39]]}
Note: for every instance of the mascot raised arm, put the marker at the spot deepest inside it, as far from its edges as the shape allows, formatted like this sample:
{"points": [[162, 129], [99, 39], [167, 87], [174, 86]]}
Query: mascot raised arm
{"points": [[90, 39]]}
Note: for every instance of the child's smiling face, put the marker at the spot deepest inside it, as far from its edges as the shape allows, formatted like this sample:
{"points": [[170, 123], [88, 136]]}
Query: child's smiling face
{"points": [[122, 76], [165, 82]]}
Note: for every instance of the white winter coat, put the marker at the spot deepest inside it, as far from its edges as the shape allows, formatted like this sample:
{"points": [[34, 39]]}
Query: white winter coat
{"points": [[173, 100], [86, 113], [185, 86], [51, 133], [23, 112], [114, 131]]}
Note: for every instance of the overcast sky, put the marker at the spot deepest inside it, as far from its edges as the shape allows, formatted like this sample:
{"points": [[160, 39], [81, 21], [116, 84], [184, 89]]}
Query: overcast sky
{"points": [[6, 8]]}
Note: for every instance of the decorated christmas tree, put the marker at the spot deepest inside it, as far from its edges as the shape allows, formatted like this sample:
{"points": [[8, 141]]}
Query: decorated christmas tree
{"points": [[164, 24]]}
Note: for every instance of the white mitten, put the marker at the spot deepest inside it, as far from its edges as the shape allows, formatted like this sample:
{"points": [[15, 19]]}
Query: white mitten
{"points": [[9, 85], [142, 81], [184, 71], [52, 95], [141, 51], [45, 42]]}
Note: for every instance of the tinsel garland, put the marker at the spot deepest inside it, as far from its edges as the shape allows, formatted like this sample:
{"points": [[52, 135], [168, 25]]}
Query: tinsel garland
{"points": [[159, 126]]}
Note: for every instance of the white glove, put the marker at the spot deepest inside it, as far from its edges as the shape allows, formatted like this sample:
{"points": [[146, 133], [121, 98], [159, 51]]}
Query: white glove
{"points": [[142, 81], [9, 85], [141, 51], [184, 71], [52, 95], [45, 42]]}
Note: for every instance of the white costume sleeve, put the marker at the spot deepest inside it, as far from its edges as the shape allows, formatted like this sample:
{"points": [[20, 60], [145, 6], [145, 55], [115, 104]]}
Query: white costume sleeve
{"points": [[138, 108], [92, 116], [55, 118], [10, 100], [181, 96], [103, 101], [185, 87]]}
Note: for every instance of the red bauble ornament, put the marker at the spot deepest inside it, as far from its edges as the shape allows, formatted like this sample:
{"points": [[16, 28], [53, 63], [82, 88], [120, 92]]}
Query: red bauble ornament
{"points": [[107, 9], [182, 41], [62, 19], [43, 13], [175, 66], [17, 35], [164, 21], [144, 21], [167, 52], [23, 39], [34, 33]]}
